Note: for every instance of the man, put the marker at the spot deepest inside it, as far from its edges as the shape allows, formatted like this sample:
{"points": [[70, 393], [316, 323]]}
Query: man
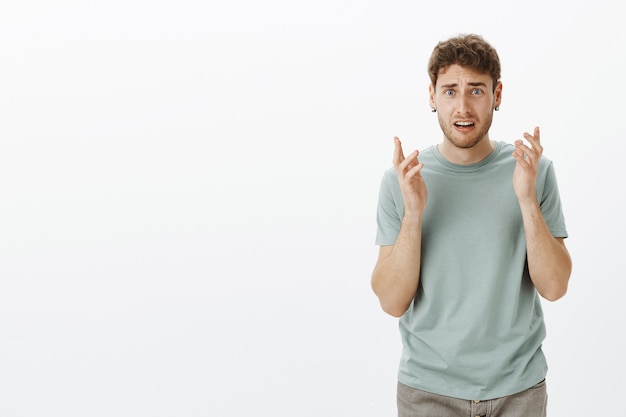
{"points": [[471, 233]]}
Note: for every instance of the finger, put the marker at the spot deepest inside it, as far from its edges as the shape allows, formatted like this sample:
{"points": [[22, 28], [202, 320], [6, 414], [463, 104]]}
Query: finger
{"points": [[523, 153], [398, 154], [534, 139], [409, 162], [522, 160], [523, 148], [415, 171]]}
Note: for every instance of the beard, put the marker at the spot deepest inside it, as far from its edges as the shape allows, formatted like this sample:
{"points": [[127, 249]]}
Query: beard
{"points": [[469, 139]]}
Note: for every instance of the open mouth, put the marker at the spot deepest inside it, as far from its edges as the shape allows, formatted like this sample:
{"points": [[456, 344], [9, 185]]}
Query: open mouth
{"points": [[464, 124]]}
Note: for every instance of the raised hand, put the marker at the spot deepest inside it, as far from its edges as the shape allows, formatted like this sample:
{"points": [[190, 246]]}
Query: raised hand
{"points": [[525, 173], [412, 184]]}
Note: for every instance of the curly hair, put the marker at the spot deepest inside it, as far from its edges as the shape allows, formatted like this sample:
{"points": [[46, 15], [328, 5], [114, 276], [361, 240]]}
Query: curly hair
{"points": [[468, 50]]}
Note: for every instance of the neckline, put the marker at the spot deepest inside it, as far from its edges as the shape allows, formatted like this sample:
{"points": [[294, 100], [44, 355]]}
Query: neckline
{"points": [[467, 167]]}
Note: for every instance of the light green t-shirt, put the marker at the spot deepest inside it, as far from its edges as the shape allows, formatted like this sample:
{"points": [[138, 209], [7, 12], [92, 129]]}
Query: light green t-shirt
{"points": [[475, 327]]}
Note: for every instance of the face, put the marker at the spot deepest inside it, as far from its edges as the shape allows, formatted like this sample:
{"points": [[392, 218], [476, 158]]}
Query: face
{"points": [[465, 101]]}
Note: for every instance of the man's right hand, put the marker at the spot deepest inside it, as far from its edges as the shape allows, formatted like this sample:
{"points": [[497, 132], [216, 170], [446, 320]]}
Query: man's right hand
{"points": [[412, 184]]}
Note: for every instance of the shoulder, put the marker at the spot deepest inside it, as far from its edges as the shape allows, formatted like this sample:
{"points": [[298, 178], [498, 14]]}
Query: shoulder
{"points": [[506, 152]]}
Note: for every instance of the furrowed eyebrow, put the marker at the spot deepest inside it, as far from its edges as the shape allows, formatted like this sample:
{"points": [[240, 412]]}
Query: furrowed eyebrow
{"points": [[471, 84]]}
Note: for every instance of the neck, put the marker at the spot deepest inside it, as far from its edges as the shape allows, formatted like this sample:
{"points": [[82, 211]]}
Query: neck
{"points": [[466, 156]]}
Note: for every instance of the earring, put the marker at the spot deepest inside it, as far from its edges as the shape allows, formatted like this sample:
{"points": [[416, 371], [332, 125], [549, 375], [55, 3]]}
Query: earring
{"points": [[433, 110], [497, 108]]}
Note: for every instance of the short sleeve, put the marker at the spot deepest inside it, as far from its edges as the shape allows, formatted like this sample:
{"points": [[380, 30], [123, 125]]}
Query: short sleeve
{"points": [[390, 210], [550, 203]]}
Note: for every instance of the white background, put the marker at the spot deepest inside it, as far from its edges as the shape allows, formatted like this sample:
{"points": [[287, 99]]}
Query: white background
{"points": [[188, 195]]}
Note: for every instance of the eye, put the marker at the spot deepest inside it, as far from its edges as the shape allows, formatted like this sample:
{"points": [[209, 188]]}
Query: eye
{"points": [[448, 92], [476, 92]]}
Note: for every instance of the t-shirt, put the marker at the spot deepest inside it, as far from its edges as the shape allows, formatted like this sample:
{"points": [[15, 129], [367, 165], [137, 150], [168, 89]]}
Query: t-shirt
{"points": [[475, 327]]}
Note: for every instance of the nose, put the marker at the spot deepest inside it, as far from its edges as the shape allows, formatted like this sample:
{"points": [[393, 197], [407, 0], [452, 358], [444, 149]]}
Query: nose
{"points": [[463, 104]]}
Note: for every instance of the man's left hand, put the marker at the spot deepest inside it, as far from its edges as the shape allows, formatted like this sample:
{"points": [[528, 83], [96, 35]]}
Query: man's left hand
{"points": [[525, 173]]}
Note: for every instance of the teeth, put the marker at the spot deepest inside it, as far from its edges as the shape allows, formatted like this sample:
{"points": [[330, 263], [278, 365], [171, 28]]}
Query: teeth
{"points": [[464, 123]]}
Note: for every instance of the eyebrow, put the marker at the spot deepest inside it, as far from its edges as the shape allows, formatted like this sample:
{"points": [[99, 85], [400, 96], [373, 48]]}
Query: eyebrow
{"points": [[471, 84]]}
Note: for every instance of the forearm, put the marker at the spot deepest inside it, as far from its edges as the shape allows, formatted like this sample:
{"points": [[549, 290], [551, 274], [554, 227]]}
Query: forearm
{"points": [[549, 262], [396, 274]]}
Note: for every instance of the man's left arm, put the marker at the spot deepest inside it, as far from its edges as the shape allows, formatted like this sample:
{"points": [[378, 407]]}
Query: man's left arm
{"points": [[549, 262]]}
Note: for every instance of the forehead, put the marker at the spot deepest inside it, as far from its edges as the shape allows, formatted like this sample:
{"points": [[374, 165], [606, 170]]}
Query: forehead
{"points": [[457, 74]]}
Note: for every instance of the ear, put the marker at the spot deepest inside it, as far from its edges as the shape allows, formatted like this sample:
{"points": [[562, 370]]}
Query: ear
{"points": [[431, 95], [497, 95]]}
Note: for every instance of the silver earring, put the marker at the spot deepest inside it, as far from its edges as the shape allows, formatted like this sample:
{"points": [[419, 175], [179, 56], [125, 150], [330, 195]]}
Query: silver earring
{"points": [[497, 108], [433, 110]]}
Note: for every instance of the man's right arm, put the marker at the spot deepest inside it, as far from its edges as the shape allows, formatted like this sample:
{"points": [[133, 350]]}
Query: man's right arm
{"points": [[397, 270], [396, 273]]}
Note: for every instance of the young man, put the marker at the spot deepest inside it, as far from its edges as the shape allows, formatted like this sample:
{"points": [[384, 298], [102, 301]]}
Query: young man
{"points": [[471, 233]]}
